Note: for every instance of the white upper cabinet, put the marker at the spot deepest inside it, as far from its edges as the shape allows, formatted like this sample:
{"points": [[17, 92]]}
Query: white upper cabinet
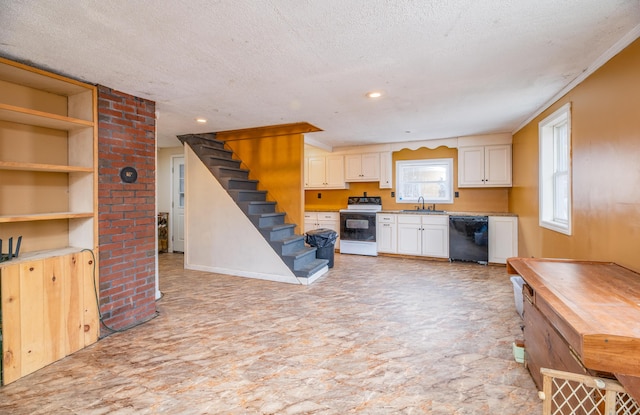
{"points": [[324, 172], [484, 166], [362, 167], [386, 170]]}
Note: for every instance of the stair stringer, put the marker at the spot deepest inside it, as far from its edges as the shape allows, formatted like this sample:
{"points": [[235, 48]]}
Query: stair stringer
{"points": [[219, 237]]}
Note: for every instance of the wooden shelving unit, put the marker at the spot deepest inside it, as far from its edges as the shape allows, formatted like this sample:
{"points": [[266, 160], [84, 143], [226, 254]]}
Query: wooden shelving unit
{"points": [[48, 195]]}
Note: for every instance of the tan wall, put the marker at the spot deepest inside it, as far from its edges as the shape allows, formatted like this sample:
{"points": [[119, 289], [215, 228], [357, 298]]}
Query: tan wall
{"points": [[606, 169], [472, 200], [277, 163]]}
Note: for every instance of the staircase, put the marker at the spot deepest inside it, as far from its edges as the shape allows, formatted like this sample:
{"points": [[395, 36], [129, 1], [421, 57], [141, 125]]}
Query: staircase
{"points": [[300, 258]]}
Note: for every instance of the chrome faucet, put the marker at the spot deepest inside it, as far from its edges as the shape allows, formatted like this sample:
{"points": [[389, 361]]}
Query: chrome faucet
{"points": [[422, 203]]}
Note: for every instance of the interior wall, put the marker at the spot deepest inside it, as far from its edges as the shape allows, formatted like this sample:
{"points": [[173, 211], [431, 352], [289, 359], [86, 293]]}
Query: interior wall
{"points": [[277, 162], [470, 200], [605, 139]]}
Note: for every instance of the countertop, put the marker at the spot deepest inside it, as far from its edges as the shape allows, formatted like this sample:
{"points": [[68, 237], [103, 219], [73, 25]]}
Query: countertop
{"points": [[447, 212], [423, 212]]}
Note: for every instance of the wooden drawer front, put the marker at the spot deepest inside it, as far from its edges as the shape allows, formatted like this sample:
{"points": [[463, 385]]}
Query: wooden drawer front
{"points": [[544, 347], [310, 216], [386, 218]]}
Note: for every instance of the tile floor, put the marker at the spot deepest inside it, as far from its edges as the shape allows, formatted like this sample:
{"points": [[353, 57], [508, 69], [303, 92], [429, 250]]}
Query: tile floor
{"points": [[376, 335]]}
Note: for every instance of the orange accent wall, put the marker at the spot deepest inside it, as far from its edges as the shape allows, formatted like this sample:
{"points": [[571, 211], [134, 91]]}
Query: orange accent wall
{"points": [[605, 139], [277, 163], [470, 200]]}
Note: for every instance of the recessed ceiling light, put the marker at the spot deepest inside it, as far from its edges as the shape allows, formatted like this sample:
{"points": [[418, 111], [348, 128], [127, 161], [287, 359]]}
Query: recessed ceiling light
{"points": [[374, 94], [201, 120]]}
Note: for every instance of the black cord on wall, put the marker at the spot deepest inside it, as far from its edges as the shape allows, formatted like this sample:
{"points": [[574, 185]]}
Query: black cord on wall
{"points": [[97, 298]]}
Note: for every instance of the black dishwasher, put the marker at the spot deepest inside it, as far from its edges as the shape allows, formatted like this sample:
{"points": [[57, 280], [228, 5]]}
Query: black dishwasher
{"points": [[469, 238]]}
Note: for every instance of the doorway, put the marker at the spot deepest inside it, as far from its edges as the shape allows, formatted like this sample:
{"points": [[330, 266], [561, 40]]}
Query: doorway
{"points": [[177, 203]]}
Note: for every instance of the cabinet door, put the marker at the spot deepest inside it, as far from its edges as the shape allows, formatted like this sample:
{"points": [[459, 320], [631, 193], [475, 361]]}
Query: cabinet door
{"points": [[370, 166], [316, 172], [32, 338], [386, 238], [362, 167], [471, 166], [335, 172], [386, 170], [435, 241], [11, 342], [55, 279], [497, 165], [503, 238], [310, 221], [86, 272], [353, 167], [409, 236]]}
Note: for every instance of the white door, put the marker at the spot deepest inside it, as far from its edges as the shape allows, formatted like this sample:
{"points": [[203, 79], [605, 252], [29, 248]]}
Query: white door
{"points": [[177, 203]]}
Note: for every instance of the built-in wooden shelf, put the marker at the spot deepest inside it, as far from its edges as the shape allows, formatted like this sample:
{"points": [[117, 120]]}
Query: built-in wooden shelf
{"points": [[48, 163], [35, 118], [13, 165], [45, 216]]}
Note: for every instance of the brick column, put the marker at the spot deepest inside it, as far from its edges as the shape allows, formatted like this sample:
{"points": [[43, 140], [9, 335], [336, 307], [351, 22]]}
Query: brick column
{"points": [[127, 221]]}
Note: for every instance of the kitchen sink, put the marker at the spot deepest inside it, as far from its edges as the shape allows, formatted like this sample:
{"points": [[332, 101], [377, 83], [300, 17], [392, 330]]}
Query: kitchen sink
{"points": [[424, 211]]}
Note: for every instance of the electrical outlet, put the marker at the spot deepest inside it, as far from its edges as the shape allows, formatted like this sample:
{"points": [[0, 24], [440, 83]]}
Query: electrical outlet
{"points": [[319, 195], [457, 194], [393, 194]]}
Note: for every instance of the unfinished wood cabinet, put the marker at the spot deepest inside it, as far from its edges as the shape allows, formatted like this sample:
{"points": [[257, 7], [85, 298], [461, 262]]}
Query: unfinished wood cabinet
{"points": [[49, 308], [48, 196]]}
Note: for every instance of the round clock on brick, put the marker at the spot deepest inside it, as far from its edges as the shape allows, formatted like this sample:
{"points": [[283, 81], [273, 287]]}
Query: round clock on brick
{"points": [[129, 175]]}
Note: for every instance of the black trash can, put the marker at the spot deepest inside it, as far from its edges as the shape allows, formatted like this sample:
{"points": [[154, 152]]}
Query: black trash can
{"points": [[325, 241]]}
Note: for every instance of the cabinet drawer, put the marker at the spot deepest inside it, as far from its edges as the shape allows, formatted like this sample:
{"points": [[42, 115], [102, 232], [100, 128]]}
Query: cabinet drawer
{"points": [[328, 216], [435, 220], [410, 219], [384, 218]]}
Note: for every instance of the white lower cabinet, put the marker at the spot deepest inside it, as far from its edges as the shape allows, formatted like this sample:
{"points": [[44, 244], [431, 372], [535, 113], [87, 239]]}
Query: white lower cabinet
{"points": [[428, 235], [503, 238], [423, 235], [326, 220], [386, 233]]}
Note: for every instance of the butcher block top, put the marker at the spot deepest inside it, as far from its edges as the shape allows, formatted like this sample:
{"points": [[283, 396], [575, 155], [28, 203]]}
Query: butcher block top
{"points": [[595, 306]]}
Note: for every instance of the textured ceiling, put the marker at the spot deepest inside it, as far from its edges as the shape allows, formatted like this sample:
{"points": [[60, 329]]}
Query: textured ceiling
{"points": [[446, 68]]}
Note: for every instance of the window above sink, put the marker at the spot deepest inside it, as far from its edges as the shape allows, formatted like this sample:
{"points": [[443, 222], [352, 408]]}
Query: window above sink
{"points": [[431, 179]]}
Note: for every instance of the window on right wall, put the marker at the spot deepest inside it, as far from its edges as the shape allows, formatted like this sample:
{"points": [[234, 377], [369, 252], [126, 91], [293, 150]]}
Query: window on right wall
{"points": [[555, 170]]}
